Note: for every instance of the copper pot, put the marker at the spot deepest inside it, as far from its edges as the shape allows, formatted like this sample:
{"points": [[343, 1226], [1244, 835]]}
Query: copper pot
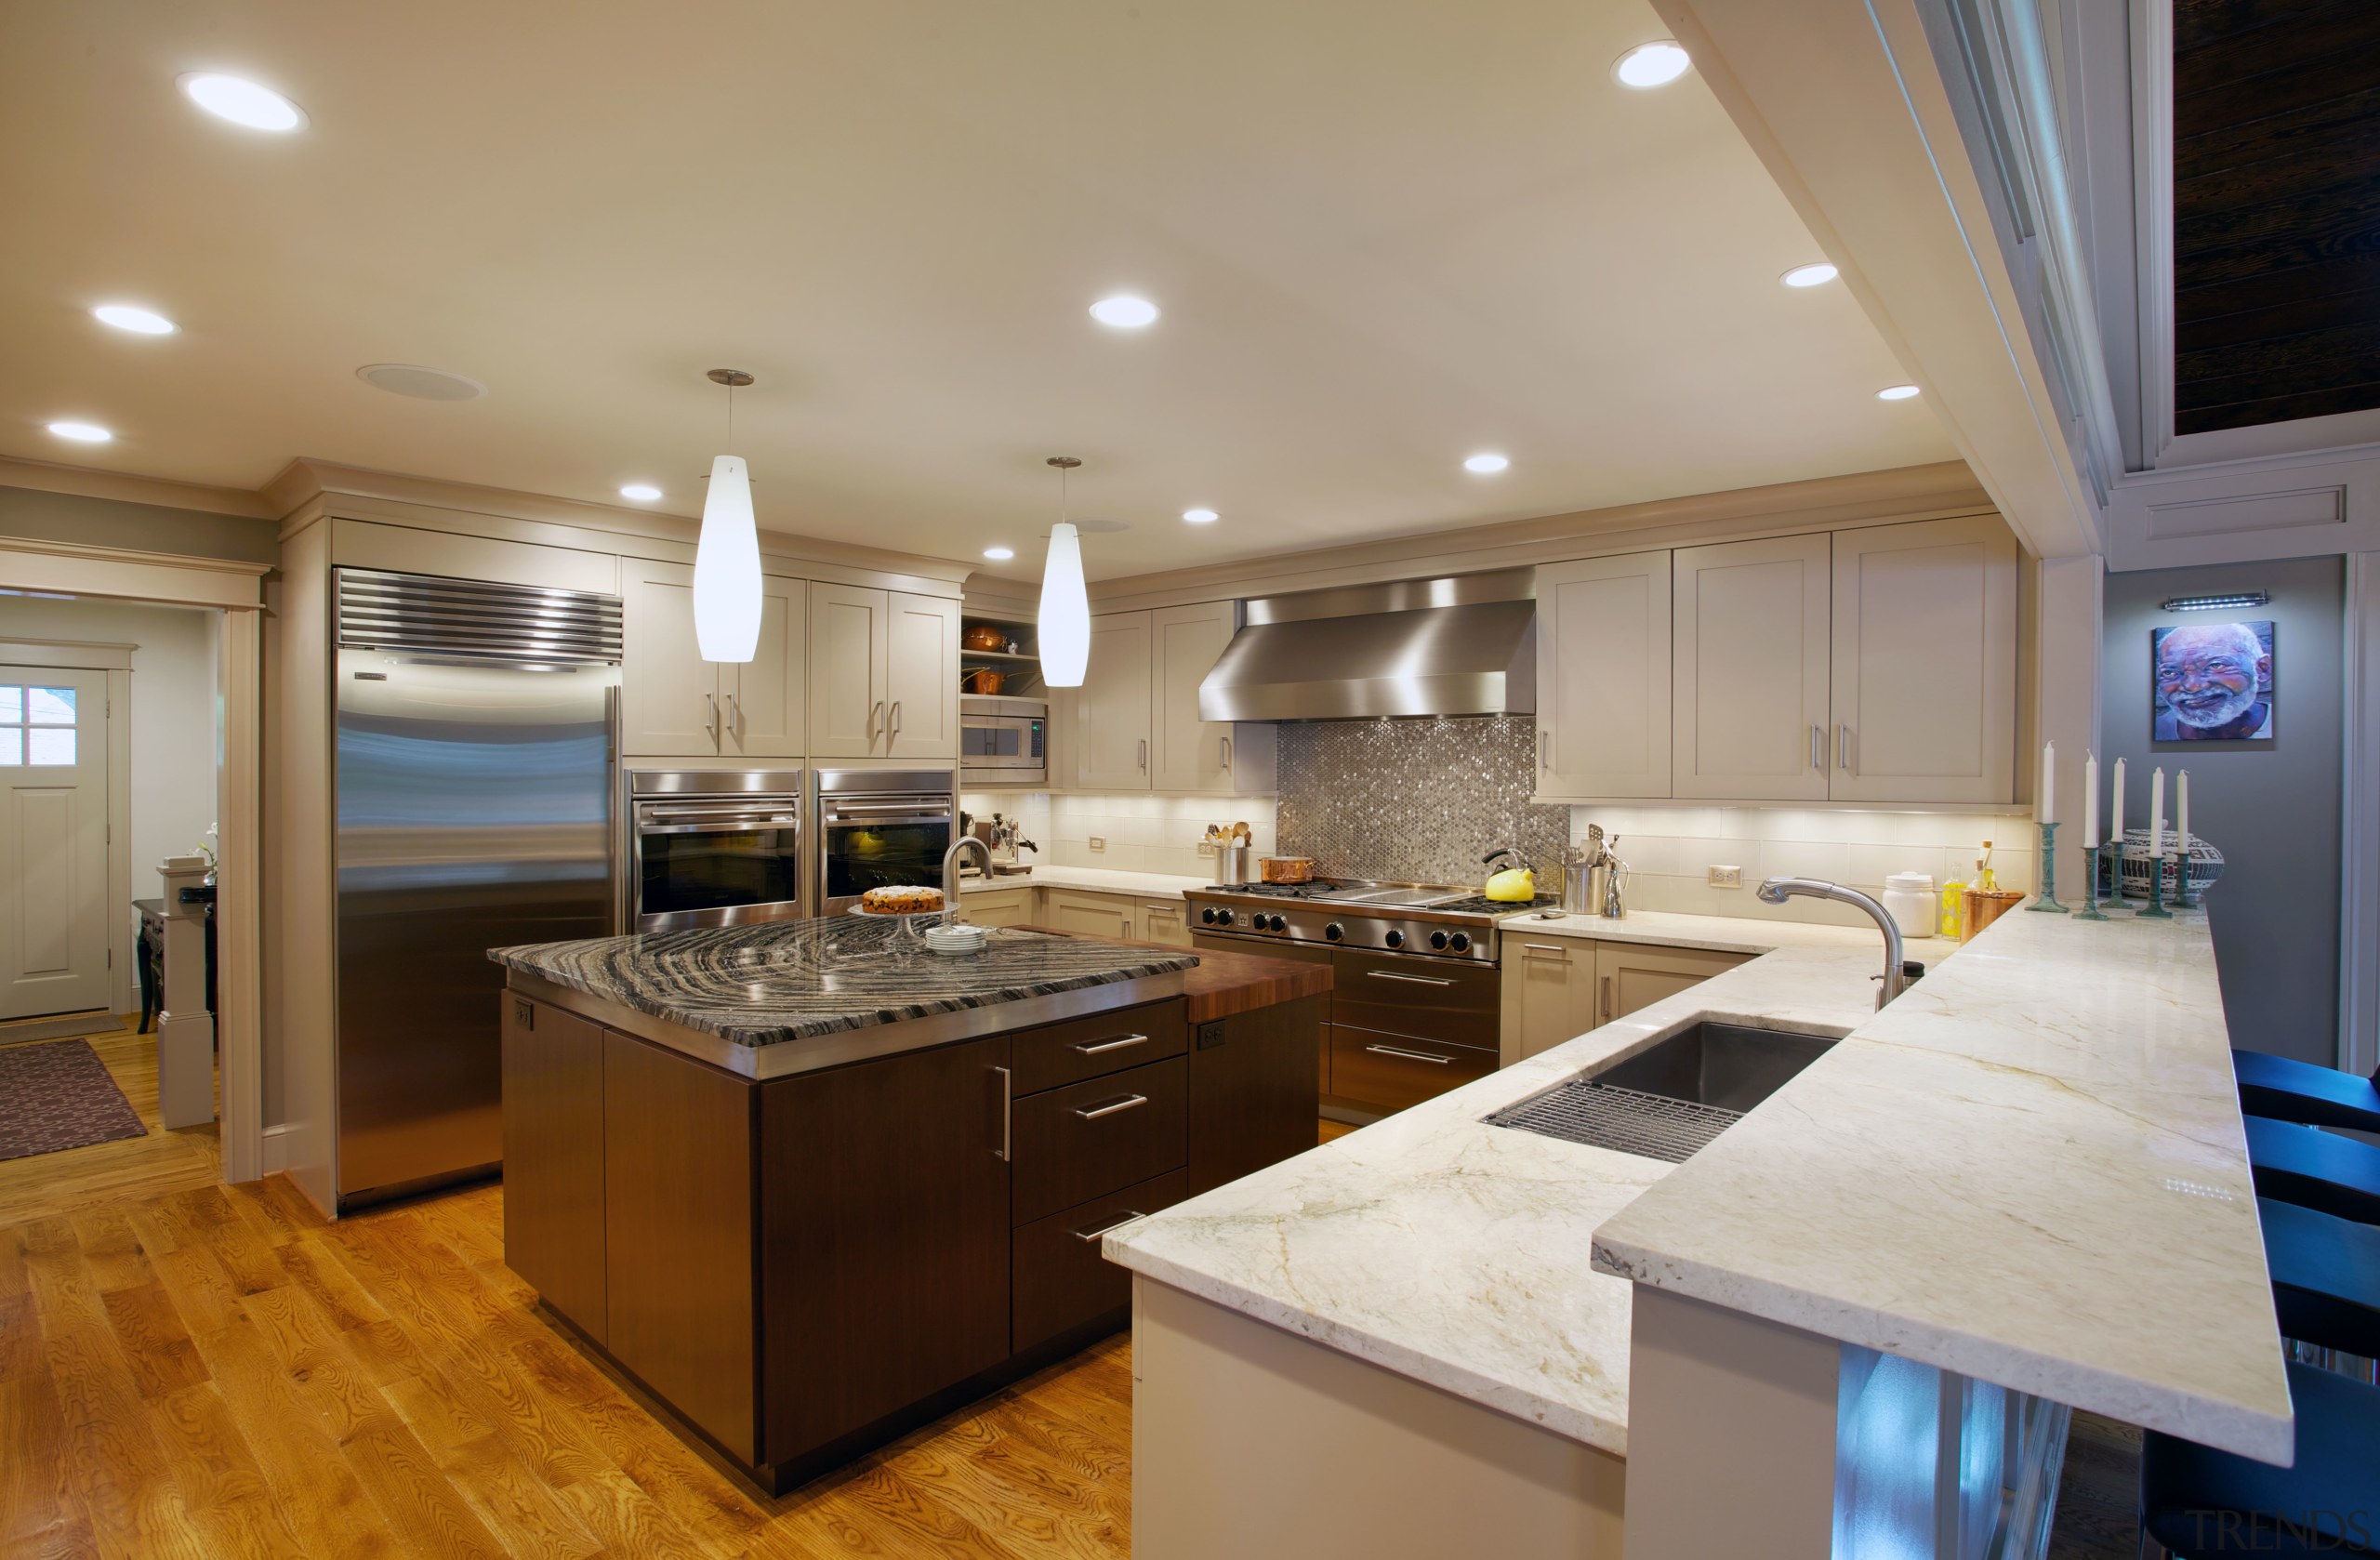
{"points": [[981, 679], [983, 636], [1289, 869]]}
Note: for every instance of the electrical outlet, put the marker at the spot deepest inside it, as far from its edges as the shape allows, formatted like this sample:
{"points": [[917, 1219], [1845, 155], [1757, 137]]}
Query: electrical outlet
{"points": [[1209, 848], [1099, 841], [1726, 876]]}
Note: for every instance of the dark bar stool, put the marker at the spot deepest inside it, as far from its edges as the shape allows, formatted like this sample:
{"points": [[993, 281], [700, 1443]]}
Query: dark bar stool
{"points": [[2286, 1090], [2197, 1502], [2315, 1169]]}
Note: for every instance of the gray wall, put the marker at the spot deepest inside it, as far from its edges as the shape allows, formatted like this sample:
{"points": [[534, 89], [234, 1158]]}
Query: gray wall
{"points": [[2271, 808], [69, 517]]}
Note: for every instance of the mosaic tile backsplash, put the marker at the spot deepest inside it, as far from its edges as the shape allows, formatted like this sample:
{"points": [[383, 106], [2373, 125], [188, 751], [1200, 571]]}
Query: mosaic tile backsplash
{"points": [[1415, 800]]}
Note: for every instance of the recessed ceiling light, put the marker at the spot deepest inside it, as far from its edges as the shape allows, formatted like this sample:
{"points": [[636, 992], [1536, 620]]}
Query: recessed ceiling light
{"points": [[242, 102], [1124, 312], [82, 432], [1200, 517], [999, 554], [141, 322], [1653, 64], [1897, 393], [1815, 275], [640, 492], [422, 384], [1486, 463]]}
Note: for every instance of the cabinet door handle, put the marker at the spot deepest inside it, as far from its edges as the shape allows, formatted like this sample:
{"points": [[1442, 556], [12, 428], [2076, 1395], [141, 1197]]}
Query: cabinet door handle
{"points": [[1544, 748], [875, 713], [1843, 749], [1224, 743], [711, 715], [1412, 980], [734, 716], [1410, 1055], [1818, 748], [1603, 1001], [1008, 1113], [1090, 1049], [892, 720], [1088, 1235], [1144, 754], [1130, 1102]]}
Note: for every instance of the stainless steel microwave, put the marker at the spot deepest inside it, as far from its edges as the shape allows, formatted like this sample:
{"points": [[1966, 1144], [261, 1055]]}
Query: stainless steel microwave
{"points": [[1004, 740]]}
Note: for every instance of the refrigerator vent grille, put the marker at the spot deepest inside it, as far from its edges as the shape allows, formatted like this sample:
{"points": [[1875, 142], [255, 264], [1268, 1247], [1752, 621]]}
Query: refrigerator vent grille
{"points": [[471, 619]]}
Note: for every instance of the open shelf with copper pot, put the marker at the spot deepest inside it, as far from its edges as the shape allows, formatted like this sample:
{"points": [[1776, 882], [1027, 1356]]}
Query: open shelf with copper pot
{"points": [[1003, 705]]}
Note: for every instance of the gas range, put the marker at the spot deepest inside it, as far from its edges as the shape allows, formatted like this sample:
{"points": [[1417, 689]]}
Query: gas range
{"points": [[1428, 919]]}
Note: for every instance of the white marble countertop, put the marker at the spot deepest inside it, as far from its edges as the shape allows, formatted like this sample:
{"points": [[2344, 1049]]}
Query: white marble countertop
{"points": [[1722, 934], [1101, 880], [2030, 1170]]}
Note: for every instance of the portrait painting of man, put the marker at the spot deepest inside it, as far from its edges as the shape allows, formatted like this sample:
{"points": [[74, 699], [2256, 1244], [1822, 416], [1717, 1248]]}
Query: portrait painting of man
{"points": [[2213, 682]]}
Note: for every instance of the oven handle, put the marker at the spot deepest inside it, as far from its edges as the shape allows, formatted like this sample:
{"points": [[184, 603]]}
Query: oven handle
{"points": [[721, 826], [873, 821], [1412, 980]]}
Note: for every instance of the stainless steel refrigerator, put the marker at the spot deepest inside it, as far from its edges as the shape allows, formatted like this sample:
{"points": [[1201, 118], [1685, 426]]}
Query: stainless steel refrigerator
{"points": [[475, 745]]}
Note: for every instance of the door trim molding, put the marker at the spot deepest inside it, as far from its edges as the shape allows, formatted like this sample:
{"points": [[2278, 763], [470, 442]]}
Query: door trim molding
{"points": [[2358, 1038], [236, 589]]}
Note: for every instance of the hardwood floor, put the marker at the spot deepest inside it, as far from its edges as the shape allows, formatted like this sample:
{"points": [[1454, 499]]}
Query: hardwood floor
{"points": [[191, 1370]]}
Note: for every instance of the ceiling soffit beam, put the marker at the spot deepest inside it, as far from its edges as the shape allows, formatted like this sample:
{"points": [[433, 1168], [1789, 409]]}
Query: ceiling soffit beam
{"points": [[1843, 102]]}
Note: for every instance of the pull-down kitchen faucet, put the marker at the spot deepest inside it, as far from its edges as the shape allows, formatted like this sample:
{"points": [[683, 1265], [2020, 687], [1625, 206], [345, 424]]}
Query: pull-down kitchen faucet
{"points": [[1776, 891], [950, 873]]}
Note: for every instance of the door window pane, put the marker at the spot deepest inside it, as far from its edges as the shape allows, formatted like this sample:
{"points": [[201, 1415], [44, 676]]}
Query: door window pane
{"points": [[51, 707], [12, 745], [12, 705], [50, 745]]}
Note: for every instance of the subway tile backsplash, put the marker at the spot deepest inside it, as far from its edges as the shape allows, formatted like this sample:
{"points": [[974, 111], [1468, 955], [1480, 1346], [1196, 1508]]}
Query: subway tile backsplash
{"points": [[1142, 833]]}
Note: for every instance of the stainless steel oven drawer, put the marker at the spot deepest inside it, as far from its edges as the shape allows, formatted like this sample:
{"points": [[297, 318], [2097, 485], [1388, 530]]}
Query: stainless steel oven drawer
{"points": [[1390, 1072], [1452, 1000]]}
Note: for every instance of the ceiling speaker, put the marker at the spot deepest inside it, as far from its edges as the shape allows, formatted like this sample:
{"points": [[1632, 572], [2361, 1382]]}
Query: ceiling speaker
{"points": [[422, 384]]}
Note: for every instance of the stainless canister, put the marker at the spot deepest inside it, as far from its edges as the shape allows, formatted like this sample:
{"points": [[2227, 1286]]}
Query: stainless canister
{"points": [[1235, 864]]}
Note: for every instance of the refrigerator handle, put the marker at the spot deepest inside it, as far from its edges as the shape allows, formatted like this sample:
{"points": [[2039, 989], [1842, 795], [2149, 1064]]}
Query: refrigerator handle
{"points": [[615, 835]]}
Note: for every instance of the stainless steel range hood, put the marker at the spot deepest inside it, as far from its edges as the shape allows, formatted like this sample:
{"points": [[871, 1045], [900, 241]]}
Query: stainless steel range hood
{"points": [[1465, 644]]}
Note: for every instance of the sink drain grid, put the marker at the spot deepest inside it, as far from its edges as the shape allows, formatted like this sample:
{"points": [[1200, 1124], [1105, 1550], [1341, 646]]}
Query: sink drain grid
{"points": [[1650, 1125]]}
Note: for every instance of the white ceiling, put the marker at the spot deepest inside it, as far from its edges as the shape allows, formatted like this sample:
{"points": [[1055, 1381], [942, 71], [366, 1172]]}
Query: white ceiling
{"points": [[1385, 233]]}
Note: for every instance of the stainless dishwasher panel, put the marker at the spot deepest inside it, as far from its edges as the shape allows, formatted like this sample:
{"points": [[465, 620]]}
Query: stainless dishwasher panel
{"points": [[475, 810]]}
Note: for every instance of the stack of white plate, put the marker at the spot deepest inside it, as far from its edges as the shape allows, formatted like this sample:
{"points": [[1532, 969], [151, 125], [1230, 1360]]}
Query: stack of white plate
{"points": [[958, 938]]}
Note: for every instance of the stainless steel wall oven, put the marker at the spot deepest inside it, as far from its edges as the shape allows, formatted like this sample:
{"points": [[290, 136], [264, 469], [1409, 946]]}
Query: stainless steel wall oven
{"points": [[714, 847], [880, 827]]}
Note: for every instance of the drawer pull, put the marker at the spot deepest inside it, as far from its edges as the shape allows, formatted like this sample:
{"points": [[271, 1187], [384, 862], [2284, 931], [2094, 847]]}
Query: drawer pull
{"points": [[1089, 1050], [1092, 1113], [1546, 947], [1409, 1055], [1415, 980], [1085, 1237]]}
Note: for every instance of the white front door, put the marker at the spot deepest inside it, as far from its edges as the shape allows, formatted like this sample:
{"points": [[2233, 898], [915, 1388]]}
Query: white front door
{"points": [[53, 841]]}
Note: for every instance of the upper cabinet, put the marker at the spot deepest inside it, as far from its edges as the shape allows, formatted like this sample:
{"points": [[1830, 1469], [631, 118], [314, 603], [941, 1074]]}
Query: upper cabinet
{"points": [[1876, 663], [1924, 686], [1750, 682], [1135, 723], [883, 674], [674, 703], [1603, 678]]}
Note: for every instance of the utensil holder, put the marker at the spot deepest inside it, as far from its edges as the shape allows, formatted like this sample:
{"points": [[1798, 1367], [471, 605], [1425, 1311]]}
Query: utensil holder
{"points": [[1233, 864]]}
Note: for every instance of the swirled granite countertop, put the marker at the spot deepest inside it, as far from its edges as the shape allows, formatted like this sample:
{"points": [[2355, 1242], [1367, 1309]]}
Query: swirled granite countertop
{"points": [[788, 979]]}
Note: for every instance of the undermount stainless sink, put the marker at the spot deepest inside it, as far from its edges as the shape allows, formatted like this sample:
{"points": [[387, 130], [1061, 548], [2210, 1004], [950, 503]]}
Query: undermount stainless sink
{"points": [[1673, 1097]]}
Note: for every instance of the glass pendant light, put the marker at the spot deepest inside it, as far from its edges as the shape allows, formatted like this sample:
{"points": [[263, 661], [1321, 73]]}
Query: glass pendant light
{"points": [[727, 556], [1064, 624]]}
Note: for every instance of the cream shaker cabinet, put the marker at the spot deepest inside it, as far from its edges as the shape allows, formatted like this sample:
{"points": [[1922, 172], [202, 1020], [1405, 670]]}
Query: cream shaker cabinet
{"points": [[1603, 678], [1749, 683], [1549, 992], [1136, 725], [674, 703], [1089, 914], [883, 674], [1924, 663], [1633, 975]]}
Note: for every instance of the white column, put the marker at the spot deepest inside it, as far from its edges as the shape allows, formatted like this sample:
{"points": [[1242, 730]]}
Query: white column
{"points": [[185, 1030]]}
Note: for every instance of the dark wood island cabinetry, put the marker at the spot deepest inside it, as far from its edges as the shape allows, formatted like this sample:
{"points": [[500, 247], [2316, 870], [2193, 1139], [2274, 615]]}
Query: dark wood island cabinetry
{"points": [[803, 1265]]}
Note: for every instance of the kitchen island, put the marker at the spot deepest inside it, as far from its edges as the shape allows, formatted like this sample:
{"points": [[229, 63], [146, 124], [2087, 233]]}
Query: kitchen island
{"points": [[810, 1185], [2021, 1187]]}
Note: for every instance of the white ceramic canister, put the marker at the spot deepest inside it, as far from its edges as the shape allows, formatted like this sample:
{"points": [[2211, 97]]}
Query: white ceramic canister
{"points": [[1909, 896]]}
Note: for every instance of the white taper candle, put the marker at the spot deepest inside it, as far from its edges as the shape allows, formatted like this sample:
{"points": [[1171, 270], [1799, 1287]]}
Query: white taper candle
{"points": [[2090, 800]]}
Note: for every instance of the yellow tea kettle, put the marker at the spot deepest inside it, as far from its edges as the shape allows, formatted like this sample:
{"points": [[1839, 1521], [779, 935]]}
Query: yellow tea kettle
{"points": [[1515, 884]]}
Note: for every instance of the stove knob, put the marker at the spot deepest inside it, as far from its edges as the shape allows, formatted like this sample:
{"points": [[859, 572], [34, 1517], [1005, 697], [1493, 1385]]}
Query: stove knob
{"points": [[1279, 925], [1394, 939], [1459, 941], [1438, 941], [1208, 915], [1223, 918], [1335, 932]]}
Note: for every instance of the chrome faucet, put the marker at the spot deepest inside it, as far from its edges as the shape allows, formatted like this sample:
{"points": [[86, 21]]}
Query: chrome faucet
{"points": [[950, 873], [1776, 891]]}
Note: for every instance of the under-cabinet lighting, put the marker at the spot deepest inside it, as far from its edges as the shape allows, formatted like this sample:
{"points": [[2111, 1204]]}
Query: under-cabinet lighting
{"points": [[2218, 602]]}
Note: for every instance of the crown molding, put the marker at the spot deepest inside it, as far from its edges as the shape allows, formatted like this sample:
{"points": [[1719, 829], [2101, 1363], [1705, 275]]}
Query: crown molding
{"points": [[84, 482], [307, 489], [1931, 492]]}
